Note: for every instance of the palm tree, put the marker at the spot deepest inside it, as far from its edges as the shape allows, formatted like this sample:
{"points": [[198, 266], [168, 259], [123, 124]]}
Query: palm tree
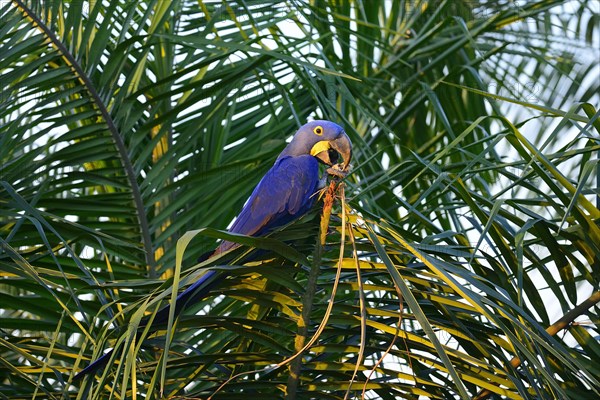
{"points": [[461, 256]]}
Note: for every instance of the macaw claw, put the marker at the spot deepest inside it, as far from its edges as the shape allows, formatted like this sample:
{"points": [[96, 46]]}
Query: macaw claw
{"points": [[339, 170]]}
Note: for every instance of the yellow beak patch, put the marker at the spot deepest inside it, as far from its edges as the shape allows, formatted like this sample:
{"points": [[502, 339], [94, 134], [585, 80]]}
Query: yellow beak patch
{"points": [[323, 145]]}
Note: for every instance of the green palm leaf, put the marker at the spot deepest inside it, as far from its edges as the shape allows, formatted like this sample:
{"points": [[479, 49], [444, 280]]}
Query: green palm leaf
{"points": [[464, 263]]}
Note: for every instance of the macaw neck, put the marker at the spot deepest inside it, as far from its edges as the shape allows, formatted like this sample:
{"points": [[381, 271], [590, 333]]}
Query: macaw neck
{"points": [[294, 149]]}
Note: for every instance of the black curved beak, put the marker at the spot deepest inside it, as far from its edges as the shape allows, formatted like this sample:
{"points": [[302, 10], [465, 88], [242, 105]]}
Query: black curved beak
{"points": [[339, 146], [343, 146]]}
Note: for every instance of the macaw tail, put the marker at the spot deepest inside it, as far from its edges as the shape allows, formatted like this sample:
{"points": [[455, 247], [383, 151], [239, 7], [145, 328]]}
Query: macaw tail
{"points": [[95, 366], [194, 293], [189, 296]]}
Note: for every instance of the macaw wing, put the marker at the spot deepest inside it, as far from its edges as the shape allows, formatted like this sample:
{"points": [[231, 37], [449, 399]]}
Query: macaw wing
{"points": [[284, 193]]}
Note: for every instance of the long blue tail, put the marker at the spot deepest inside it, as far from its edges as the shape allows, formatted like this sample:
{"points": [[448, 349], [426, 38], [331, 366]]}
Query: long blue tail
{"points": [[96, 365], [194, 293], [189, 296]]}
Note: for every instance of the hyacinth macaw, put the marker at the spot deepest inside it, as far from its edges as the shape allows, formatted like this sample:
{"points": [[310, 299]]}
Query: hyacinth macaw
{"points": [[285, 193]]}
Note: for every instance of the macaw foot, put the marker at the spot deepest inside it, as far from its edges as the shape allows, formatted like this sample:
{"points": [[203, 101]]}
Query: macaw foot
{"points": [[322, 182], [338, 170]]}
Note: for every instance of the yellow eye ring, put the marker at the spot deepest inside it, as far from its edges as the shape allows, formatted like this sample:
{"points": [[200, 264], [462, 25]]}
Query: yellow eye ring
{"points": [[318, 130]]}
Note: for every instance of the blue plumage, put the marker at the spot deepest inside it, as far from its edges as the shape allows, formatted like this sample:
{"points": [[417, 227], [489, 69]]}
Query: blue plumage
{"points": [[285, 193]]}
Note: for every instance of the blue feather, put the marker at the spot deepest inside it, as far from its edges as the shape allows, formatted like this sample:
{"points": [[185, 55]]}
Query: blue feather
{"points": [[285, 193]]}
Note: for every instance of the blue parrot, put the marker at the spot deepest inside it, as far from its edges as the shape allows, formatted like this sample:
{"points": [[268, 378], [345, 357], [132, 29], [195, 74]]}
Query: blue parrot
{"points": [[285, 193]]}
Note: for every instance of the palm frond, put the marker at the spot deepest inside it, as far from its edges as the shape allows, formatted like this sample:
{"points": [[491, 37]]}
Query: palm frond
{"points": [[471, 218]]}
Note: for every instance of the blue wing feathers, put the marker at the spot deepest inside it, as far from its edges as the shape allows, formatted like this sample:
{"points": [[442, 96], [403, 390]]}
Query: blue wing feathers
{"points": [[284, 194]]}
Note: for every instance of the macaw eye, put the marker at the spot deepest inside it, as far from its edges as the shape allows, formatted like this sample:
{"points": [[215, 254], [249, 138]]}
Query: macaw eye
{"points": [[318, 130]]}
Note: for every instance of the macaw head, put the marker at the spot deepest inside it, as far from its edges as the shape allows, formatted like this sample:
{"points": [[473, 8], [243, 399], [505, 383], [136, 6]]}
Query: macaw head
{"points": [[323, 140]]}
